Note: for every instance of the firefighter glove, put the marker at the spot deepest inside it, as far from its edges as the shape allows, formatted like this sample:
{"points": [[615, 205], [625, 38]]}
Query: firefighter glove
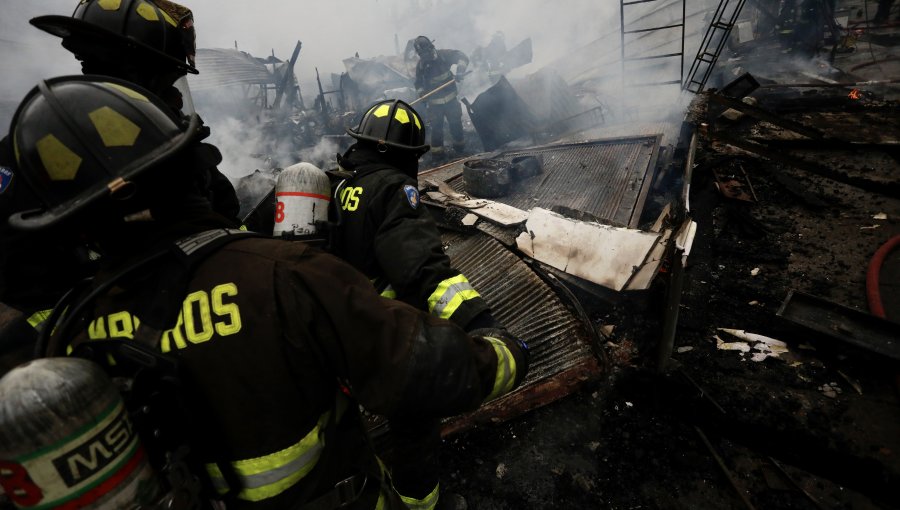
{"points": [[516, 345]]}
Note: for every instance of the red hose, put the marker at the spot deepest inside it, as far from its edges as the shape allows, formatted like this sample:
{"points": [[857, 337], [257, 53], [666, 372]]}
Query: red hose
{"points": [[873, 293]]}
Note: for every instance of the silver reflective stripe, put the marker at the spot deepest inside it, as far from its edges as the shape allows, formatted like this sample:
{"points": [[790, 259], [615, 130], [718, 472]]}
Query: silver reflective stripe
{"points": [[274, 475], [269, 475], [449, 295]]}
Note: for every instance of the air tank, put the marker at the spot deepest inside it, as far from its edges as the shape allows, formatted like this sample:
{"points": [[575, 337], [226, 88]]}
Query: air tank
{"points": [[302, 194], [66, 440]]}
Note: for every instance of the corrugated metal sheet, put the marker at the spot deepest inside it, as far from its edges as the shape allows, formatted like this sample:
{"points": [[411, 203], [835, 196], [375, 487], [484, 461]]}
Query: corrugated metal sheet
{"points": [[561, 354], [220, 67], [607, 179]]}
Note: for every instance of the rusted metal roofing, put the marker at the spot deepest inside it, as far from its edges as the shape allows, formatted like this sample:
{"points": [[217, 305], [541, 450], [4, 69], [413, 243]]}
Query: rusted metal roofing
{"points": [[561, 342], [221, 67], [607, 179]]}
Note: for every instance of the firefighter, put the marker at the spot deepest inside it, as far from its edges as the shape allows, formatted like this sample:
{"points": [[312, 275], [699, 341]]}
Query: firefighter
{"points": [[385, 232], [432, 72], [276, 344], [147, 43]]}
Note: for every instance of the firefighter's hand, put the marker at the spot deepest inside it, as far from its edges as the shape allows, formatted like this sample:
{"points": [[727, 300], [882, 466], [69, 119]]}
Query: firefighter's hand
{"points": [[519, 347]]}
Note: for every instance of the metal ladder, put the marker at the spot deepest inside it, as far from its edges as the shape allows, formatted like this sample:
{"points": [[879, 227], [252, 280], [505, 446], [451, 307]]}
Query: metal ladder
{"points": [[624, 30], [715, 38]]}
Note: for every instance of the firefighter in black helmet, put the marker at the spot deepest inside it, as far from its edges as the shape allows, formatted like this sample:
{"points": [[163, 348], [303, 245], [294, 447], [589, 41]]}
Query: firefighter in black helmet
{"points": [[147, 42], [151, 43], [386, 233], [135, 40], [274, 345], [433, 72]]}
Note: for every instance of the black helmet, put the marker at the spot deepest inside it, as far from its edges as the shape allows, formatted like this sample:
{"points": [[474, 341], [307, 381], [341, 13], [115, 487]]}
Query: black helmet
{"points": [[392, 123], [423, 46], [77, 139], [99, 28]]}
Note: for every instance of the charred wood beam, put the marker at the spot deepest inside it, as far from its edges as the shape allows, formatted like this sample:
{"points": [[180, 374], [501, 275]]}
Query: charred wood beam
{"points": [[891, 148], [288, 75], [529, 397], [762, 114], [888, 189], [791, 184], [792, 443], [830, 144], [727, 472], [675, 285], [829, 85], [840, 324], [787, 476]]}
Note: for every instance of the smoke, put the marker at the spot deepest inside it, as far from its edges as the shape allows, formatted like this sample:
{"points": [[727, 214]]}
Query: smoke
{"points": [[337, 29], [27, 54], [578, 40], [237, 140], [340, 29]]}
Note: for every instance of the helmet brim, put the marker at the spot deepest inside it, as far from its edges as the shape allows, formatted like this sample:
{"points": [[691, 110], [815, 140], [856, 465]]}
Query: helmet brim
{"points": [[421, 149], [37, 219], [67, 27]]}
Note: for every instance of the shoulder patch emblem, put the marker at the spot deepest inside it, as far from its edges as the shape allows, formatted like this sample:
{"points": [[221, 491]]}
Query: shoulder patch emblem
{"points": [[412, 196], [6, 177]]}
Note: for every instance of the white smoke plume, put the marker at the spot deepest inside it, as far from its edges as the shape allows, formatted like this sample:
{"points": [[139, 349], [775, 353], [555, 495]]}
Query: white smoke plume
{"points": [[574, 37]]}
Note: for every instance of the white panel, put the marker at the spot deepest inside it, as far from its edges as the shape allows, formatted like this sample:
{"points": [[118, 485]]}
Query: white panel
{"points": [[605, 255]]}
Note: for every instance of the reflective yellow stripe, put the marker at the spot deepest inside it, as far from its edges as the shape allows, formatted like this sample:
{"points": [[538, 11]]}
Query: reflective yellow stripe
{"points": [[381, 502], [389, 293], [426, 503], [506, 369], [270, 475], [37, 318], [449, 295]]}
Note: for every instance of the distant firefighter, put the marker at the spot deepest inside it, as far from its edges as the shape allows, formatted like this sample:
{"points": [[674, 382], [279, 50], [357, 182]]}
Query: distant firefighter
{"points": [[436, 83]]}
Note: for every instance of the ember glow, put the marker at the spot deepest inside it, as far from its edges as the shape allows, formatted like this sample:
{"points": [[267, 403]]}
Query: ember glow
{"points": [[854, 94]]}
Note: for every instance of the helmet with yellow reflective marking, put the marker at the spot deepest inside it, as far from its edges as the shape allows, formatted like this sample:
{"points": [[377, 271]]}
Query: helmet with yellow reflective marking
{"points": [[137, 30], [392, 123], [77, 139]]}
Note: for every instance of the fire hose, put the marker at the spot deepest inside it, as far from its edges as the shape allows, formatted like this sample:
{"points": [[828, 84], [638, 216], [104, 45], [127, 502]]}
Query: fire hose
{"points": [[873, 293]]}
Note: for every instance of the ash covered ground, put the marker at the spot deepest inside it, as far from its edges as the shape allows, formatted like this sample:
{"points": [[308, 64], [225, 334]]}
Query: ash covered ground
{"points": [[816, 427]]}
